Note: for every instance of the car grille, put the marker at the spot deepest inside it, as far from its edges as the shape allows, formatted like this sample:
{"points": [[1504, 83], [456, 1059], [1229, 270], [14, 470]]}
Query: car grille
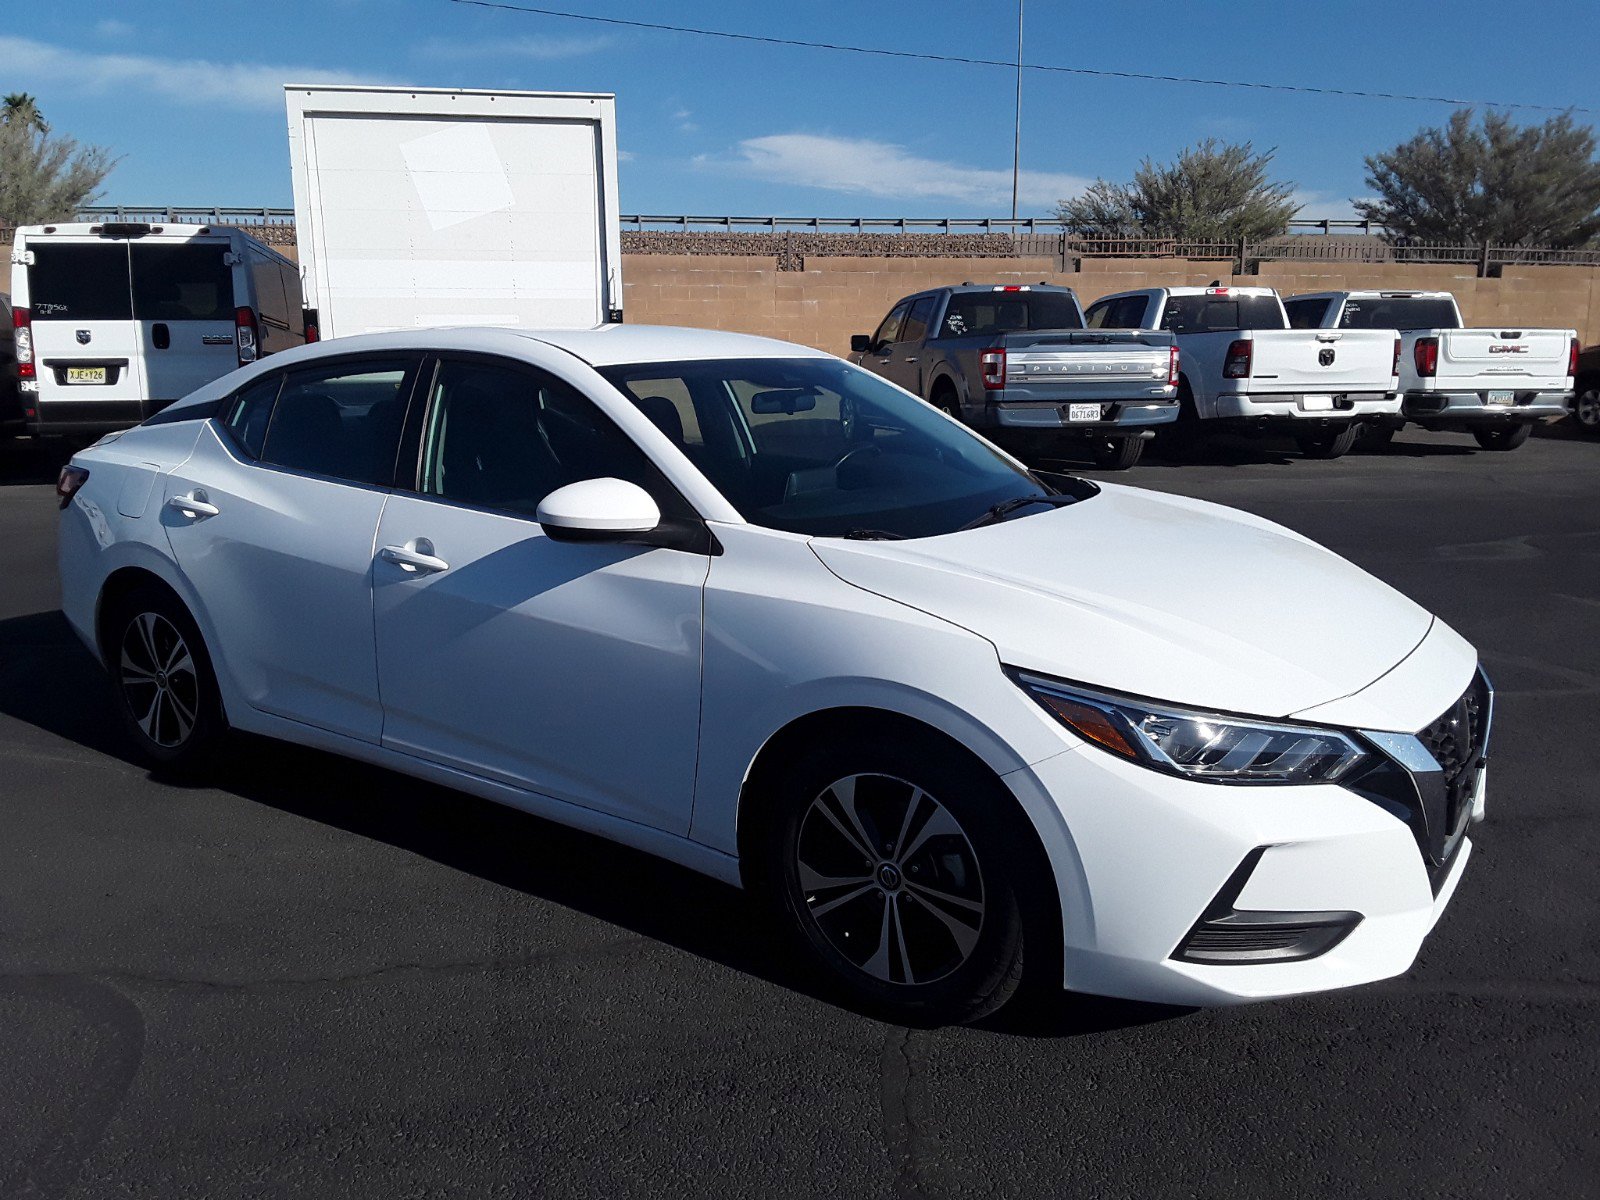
{"points": [[1456, 740]]}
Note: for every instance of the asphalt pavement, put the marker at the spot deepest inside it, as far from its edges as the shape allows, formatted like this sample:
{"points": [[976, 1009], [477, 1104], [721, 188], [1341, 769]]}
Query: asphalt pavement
{"points": [[321, 979]]}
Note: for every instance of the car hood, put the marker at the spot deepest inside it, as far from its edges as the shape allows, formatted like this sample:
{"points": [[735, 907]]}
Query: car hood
{"points": [[1157, 596]]}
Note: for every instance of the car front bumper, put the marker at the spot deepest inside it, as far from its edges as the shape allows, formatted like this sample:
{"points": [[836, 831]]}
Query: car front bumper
{"points": [[1192, 893]]}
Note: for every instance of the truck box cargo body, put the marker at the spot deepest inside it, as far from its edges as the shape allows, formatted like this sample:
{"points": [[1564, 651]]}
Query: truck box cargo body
{"points": [[432, 207], [1451, 377]]}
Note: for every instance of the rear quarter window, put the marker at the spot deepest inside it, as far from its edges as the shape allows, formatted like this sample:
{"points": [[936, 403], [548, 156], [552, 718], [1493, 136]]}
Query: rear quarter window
{"points": [[79, 282]]}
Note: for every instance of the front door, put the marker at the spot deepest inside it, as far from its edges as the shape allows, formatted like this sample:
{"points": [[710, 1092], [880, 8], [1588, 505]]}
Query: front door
{"points": [[905, 356], [569, 669], [184, 305]]}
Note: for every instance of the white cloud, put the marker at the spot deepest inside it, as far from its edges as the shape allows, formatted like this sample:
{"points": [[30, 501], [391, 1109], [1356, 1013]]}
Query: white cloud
{"points": [[625, 156], [37, 66], [685, 120], [540, 48], [1323, 206], [872, 168], [113, 29]]}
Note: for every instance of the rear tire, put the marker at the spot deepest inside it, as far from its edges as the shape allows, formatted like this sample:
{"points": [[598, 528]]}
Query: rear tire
{"points": [[1118, 453], [1503, 438], [946, 401], [166, 690], [1586, 407], [1330, 443], [900, 868]]}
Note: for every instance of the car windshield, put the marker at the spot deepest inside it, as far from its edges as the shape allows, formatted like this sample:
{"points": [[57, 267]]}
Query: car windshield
{"points": [[817, 446]]}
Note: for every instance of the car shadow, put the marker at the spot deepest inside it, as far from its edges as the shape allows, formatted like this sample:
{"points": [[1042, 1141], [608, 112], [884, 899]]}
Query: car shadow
{"points": [[49, 680], [25, 461]]}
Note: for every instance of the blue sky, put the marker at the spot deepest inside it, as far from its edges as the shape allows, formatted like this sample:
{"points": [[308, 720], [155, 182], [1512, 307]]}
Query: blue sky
{"points": [[189, 92]]}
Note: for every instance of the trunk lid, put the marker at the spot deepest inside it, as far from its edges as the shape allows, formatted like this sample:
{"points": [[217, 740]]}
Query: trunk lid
{"points": [[85, 342], [1321, 360], [1522, 358]]}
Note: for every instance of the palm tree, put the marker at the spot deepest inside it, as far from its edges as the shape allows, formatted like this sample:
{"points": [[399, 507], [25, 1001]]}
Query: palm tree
{"points": [[21, 107]]}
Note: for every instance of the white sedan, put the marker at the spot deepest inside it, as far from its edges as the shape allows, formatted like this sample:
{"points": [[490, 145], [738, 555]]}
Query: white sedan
{"points": [[755, 610]]}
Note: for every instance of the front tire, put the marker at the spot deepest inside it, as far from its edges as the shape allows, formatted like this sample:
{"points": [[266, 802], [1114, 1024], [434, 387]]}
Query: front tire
{"points": [[1330, 443], [1118, 453], [166, 691], [1503, 438], [1586, 407], [899, 869]]}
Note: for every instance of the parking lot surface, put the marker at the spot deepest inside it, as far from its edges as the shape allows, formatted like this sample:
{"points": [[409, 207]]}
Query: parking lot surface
{"points": [[317, 978]]}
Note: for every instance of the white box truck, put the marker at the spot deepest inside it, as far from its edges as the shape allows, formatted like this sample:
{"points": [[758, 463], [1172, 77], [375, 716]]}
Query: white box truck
{"points": [[423, 207]]}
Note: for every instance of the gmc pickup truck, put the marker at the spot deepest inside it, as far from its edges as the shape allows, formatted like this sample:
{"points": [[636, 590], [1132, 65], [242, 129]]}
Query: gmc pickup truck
{"points": [[1492, 383], [1018, 358], [1242, 366]]}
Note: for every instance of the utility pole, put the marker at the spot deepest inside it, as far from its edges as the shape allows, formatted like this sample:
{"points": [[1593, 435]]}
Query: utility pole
{"points": [[1016, 143]]}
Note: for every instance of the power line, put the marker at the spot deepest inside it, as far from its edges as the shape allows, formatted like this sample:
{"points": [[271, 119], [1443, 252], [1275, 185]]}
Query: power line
{"points": [[994, 62]]}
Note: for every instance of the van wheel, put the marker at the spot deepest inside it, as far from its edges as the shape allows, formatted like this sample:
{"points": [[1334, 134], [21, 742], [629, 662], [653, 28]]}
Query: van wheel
{"points": [[166, 692], [899, 870], [1118, 454], [1504, 438], [1330, 443]]}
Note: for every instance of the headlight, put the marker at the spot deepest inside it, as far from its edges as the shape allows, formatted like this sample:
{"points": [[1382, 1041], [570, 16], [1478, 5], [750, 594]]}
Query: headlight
{"points": [[1198, 745]]}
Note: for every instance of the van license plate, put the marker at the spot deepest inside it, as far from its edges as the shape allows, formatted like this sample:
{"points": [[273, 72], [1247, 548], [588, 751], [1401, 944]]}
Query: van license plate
{"points": [[86, 374], [1316, 403], [1083, 412], [1502, 399]]}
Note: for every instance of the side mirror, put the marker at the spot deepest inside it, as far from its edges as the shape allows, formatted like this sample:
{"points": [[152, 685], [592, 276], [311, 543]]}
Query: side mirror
{"points": [[860, 343], [598, 510]]}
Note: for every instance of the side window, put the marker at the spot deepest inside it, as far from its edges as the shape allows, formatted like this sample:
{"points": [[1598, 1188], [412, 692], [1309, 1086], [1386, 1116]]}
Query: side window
{"points": [[889, 331], [1096, 317], [917, 320], [270, 300], [506, 436], [670, 408], [1128, 313], [342, 420], [1305, 314], [246, 413]]}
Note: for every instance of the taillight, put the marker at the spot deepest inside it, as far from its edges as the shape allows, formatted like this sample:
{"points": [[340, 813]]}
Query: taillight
{"points": [[1172, 366], [992, 364], [246, 334], [68, 482], [1572, 357], [313, 334], [1394, 368], [22, 325], [1237, 363], [1426, 355]]}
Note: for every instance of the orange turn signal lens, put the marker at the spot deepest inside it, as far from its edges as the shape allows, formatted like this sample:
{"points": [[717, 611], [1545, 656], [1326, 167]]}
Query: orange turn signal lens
{"points": [[1089, 722]]}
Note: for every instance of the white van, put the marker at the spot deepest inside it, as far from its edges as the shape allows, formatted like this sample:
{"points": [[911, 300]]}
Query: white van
{"points": [[115, 321]]}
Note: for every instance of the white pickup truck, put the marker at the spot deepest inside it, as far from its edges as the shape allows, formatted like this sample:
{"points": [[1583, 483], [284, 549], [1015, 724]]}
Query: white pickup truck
{"points": [[1243, 366], [1492, 383]]}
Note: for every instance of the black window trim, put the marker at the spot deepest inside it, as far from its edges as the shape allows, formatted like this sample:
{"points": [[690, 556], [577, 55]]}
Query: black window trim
{"points": [[690, 534]]}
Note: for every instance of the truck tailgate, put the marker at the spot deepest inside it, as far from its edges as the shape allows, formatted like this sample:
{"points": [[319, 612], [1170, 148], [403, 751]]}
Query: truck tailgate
{"points": [[1322, 360], [1050, 364], [1513, 358]]}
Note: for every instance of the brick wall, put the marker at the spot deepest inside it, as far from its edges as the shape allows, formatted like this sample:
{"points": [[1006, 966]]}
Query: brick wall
{"points": [[831, 298]]}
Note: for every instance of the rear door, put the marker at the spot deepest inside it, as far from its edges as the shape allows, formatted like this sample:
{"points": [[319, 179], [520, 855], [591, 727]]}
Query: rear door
{"points": [[183, 303], [85, 342]]}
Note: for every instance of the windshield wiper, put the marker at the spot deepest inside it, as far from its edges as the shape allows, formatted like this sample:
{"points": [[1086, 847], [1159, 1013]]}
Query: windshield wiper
{"points": [[872, 535], [1006, 507]]}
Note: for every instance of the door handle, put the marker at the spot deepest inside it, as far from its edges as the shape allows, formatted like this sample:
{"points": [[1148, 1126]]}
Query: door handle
{"points": [[912, 359], [160, 335], [194, 505], [414, 557]]}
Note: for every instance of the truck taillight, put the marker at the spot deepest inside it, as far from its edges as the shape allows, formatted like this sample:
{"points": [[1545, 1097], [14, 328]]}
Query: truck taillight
{"points": [[1172, 366], [1572, 357], [312, 321], [22, 326], [992, 363], [246, 335], [1237, 364], [1394, 367], [1426, 355]]}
